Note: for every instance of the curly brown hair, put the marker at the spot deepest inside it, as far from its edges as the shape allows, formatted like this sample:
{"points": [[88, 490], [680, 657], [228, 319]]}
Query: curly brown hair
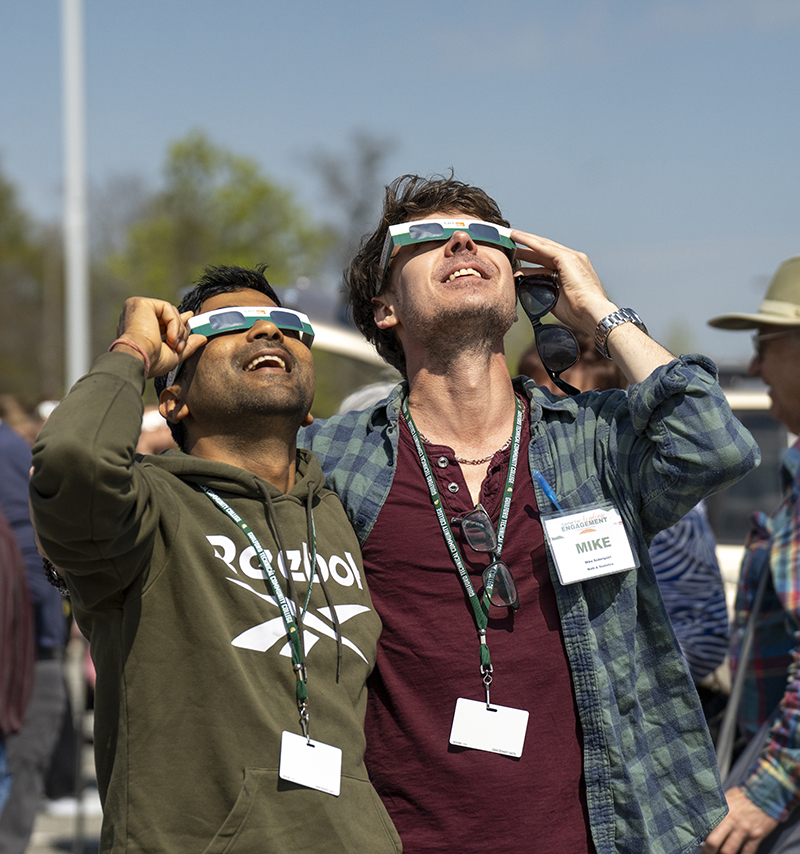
{"points": [[407, 198]]}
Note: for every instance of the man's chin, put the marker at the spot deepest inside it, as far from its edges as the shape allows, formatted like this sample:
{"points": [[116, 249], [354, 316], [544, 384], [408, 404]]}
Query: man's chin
{"points": [[476, 319]]}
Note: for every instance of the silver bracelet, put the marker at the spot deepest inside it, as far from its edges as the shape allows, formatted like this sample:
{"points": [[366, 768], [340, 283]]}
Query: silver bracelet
{"points": [[621, 315]]}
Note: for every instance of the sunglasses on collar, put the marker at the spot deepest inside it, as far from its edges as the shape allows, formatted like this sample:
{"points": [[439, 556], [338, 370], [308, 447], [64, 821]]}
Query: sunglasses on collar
{"points": [[420, 231]]}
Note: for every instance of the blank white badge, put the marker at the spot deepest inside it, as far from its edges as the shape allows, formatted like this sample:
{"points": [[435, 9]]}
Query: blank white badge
{"points": [[497, 729], [310, 763]]}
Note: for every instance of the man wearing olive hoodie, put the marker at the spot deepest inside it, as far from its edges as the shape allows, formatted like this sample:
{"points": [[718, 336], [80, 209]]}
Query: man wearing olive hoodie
{"points": [[220, 586]]}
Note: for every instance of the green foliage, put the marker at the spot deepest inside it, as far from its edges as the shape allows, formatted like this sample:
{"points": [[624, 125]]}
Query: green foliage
{"points": [[15, 241], [216, 208], [26, 328]]}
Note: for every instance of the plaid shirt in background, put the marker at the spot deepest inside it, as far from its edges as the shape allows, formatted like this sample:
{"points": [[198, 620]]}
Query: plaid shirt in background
{"points": [[772, 675]]}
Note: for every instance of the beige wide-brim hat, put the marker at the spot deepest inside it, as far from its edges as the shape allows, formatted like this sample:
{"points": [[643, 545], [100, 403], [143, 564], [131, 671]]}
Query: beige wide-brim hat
{"points": [[781, 306]]}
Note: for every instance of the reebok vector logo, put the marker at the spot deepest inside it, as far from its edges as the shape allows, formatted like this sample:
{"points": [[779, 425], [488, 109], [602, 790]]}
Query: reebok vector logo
{"points": [[316, 624]]}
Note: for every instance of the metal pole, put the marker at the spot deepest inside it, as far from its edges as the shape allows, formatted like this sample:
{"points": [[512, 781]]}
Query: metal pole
{"points": [[76, 248], [76, 264]]}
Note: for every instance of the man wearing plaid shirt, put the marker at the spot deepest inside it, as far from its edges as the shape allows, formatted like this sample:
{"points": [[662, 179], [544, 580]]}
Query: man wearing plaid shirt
{"points": [[767, 777], [593, 738]]}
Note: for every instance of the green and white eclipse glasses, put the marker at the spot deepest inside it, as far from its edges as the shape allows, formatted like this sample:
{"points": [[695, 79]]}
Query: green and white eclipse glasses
{"points": [[241, 317], [420, 231]]}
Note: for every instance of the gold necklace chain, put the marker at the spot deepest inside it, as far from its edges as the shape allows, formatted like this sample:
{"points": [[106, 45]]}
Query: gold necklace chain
{"points": [[466, 462]]}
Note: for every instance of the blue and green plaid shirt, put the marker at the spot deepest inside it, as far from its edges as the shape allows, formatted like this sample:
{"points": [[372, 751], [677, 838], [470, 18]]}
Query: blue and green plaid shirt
{"points": [[651, 775]]}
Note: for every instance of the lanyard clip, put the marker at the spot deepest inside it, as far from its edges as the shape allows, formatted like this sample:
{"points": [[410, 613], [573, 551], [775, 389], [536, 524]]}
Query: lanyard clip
{"points": [[486, 670], [304, 719], [300, 672]]}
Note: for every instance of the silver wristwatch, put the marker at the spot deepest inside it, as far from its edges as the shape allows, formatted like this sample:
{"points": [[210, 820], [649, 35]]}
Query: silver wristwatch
{"points": [[621, 315]]}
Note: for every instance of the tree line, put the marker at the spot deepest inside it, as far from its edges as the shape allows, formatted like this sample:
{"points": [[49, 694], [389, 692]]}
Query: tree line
{"points": [[213, 207]]}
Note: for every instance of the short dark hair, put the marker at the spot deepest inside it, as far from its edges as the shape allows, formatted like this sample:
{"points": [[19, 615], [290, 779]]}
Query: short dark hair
{"points": [[407, 198], [214, 281]]}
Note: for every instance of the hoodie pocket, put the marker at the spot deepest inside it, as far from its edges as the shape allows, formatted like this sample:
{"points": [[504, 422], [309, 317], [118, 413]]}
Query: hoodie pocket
{"points": [[272, 816]]}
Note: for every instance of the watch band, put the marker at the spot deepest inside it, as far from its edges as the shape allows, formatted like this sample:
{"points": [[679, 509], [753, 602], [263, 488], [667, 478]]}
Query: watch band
{"points": [[621, 315]]}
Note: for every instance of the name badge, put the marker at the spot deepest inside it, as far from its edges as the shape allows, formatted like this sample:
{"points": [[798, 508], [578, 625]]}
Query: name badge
{"points": [[496, 729], [588, 543], [310, 763]]}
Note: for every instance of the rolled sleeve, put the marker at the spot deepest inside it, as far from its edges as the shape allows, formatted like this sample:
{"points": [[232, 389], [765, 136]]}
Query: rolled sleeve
{"points": [[695, 446]]}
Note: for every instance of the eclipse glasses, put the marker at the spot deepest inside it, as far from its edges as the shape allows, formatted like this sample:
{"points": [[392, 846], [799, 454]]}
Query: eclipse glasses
{"points": [[420, 231], [241, 317]]}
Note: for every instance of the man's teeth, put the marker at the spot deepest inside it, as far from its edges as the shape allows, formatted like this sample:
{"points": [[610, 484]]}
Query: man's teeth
{"points": [[266, 361], [467, 271]]}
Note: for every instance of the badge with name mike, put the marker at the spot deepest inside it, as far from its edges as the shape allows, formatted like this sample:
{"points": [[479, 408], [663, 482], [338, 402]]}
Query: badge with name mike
{"points": [[588, 543]]}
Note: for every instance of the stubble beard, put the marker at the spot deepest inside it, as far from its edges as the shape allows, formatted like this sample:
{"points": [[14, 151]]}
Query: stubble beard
{"points": [[470, 329], [244, 414]]}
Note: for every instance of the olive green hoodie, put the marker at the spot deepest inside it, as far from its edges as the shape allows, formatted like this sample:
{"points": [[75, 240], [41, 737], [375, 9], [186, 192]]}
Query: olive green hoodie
{"points": [[194, 680]]}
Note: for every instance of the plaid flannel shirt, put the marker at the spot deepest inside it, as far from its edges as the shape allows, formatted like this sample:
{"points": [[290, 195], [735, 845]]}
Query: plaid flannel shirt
{"points": [[773, 675], [651, 777]]}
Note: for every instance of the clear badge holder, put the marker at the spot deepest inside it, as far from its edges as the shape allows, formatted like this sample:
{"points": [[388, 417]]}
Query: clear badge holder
{"points": [[588, 542]]}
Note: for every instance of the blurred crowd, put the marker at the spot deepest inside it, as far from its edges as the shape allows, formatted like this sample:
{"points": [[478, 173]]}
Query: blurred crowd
{"points": [[40, 732]]}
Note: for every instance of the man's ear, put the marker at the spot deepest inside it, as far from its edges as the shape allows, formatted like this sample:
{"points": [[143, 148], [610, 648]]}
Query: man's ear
{"points": [[171, 405], [309, 419], [383, 312]]}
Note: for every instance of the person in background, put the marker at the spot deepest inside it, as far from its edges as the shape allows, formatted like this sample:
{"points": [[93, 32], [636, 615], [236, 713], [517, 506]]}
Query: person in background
{"points": [[20, 418], [684, 555], [592, 372], [30, 750], [17, 649], [763, 787]]}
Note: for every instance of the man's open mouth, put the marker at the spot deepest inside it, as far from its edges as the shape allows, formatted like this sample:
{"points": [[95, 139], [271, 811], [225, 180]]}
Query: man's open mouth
{"points": [[266, 361], [464, 271]]}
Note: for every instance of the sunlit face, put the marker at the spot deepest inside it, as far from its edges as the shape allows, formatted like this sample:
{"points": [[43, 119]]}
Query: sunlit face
{"points": [[260, 370], [778, 364], [449, 262], [435, 287]]}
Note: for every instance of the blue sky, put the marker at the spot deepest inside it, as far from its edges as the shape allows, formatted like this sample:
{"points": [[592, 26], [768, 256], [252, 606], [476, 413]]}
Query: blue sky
{"points": [[661, 138]]}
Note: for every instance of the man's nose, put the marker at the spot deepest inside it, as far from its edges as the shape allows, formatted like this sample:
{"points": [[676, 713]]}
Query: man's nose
{"points": [[264, 329], [754, 368], [460, 241]]}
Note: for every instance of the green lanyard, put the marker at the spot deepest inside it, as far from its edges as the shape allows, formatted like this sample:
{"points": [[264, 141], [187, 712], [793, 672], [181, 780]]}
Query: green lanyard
{"points": [[479, 608], [292, 628]]}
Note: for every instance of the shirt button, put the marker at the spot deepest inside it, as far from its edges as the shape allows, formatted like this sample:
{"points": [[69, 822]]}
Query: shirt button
{"points": [[442, 462], [453, 487]]}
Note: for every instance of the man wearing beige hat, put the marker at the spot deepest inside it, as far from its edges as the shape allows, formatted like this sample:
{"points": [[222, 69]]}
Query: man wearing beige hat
{"points": [[764, 784]]}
